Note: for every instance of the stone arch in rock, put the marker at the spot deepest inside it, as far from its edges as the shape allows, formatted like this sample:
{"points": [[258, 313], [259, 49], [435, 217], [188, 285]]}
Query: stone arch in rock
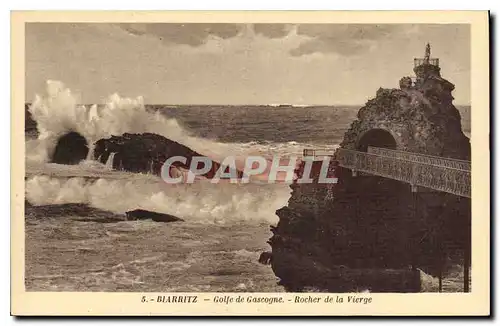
{"points": [[71, 148], [378, 138]]}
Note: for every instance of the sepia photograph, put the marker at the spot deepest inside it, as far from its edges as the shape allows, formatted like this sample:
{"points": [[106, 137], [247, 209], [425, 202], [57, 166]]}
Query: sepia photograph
{"points": [[272, 158]]}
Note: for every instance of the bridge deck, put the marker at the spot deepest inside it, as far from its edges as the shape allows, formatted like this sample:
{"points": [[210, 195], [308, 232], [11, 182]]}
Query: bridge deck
{"points": [[423, 158], [433, 172]]}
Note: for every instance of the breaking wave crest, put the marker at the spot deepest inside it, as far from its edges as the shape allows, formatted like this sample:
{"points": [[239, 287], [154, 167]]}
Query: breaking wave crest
{"points": [[200, 202], [57, 113]]}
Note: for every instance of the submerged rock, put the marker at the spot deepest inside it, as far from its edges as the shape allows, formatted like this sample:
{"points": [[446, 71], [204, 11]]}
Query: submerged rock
{"points": [[77, 211], [141, 214]]}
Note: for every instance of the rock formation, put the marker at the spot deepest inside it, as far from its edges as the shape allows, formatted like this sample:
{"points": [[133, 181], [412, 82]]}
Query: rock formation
{"points": [[75, 211], [146, 153], [70, 149], [29, 124], [421, 117], [141, 214], [370, 232]]}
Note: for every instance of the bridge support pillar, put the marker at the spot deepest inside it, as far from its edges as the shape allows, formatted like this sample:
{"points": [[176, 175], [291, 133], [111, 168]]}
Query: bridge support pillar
{"points": [[467, 257], [411, 235]]}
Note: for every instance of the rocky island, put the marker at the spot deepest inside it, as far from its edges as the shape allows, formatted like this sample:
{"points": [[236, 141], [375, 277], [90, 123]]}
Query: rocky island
{"points": [[374, 233]]}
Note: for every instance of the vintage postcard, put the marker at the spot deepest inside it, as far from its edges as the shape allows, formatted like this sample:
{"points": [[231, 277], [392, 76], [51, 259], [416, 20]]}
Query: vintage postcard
{"points": [[250, 163]]}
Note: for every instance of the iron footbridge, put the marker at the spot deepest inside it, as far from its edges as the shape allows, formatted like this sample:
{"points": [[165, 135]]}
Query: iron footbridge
{"points": [[419, 170]]}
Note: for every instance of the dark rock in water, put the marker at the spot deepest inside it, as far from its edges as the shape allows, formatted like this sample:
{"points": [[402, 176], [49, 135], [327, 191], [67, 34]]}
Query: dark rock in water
{"points": [[30, 128], [146, 153], [302, 272], [82, 212], [71, 148], [266, 257], [141, 214]]}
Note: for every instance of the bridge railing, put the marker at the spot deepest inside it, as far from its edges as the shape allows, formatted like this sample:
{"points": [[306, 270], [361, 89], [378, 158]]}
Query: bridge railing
{"points": [[317, 152], [437, 177], [420, 61], [421, 158]]}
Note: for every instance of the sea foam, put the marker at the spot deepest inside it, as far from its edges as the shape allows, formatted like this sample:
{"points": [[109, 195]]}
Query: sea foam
{"points": [[200, 202], [57, 113]]}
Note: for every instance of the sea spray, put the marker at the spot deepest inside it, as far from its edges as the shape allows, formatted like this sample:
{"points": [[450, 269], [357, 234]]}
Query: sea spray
{"points": [[57, 113], [109, 162], [201, 202], [90, 155], [42, 190]]}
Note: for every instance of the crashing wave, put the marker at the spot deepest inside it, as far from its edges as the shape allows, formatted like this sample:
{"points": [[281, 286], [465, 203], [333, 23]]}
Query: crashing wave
{"points": [[200, 202], [57, 113]]}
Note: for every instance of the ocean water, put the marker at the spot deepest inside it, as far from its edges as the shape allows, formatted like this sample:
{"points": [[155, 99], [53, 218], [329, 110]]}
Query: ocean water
{"points": [[316, 125], [241, 213], [261, 125]]}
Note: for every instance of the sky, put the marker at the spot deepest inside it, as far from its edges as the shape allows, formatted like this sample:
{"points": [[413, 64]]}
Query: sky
{"points": [[304, 64]]}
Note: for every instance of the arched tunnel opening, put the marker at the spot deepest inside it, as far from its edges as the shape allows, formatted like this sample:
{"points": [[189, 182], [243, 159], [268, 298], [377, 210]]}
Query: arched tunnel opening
{"points": [[376, 138], [72, 148]]}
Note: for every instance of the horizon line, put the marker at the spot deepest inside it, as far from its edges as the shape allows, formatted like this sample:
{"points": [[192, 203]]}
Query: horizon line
{"points": [[270, 105]]}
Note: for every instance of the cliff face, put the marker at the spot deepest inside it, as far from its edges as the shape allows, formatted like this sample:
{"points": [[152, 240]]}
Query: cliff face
{"points": [[373, 233]]}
